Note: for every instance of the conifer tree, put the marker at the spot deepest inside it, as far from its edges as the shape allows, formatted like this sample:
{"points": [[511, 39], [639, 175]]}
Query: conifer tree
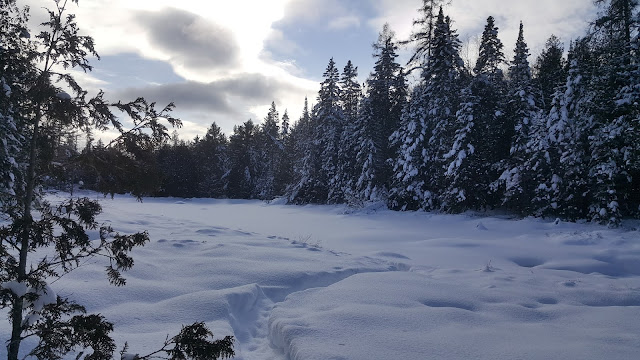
{"points": [[379, 117], [306, 161], [285, 126], [423, 33], [242, 157], [14, 69], [284, 175], [614, 130], [408, 190], [269, 151], [550, 72], [211, 157], [350, 94], [482, 131], [514, 181], [564, 191], [329, 124], [445, 76]]}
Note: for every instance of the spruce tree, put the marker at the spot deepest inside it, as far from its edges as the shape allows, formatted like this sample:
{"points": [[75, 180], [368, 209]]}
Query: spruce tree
{"points": [[515, 181], [329, 124], [284, 174], [549, 72], [243, 162], [269, 150], [564, 192], [482, 131], [378, 119], [306, 161], [212, 161], [445, 76], [613, 132], [350, 96], [423, 33]]}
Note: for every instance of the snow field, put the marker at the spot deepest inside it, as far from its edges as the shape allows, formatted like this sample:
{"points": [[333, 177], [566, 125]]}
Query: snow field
{"points": [[316, 282]]}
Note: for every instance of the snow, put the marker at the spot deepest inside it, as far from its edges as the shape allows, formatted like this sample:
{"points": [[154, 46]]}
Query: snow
{"points": [[17, 288], [327, 282], [62, 95]]}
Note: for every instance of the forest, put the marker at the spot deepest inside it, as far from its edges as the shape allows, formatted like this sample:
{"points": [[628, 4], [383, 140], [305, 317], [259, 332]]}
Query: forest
{"points": [[558, 137]]}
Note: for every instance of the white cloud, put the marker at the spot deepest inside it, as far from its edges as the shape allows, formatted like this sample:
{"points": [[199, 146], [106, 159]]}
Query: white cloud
{"points": [[236, 28], [344, 22]]}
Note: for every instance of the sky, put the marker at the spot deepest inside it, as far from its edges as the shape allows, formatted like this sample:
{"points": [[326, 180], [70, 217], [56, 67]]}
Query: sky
{"points": [[226, 61]]}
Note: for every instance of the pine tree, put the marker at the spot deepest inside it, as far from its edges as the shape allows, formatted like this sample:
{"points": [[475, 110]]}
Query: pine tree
{"points": [[330, 121], [306, 164], [408, 190], [550, 71], [515, 179], [243, 162], [423, 33], [490, 55], [350, 96], [14, 69], [269, 150], [482, 131], [212, 162], [615, 110], [285, 125], [428, 124], [379, 117], [564, 190], [445, 76], [284, 175]]}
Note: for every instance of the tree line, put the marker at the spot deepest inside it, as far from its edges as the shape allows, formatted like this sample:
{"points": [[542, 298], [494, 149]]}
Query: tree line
{"points": [[558, 138]]}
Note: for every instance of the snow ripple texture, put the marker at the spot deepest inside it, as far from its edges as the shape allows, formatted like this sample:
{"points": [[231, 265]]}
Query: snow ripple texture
{"points": [[326, 282]]}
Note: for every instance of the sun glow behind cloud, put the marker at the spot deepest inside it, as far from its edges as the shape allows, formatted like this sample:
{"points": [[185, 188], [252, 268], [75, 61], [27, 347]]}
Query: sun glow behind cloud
{"points": [[225, 61], [214, 43]]}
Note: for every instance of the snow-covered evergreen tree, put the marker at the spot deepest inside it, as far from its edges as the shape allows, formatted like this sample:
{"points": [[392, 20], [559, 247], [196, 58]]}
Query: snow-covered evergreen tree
{"points": [[549, 72], [330, 121], [444, 77], [306, 186], [565, 189], [243, 162], [408, 191], [350, 96], [17, 74], [514, 182], [378, 119], [284, 174], [482, 131], [213, 161], [269, 150]]}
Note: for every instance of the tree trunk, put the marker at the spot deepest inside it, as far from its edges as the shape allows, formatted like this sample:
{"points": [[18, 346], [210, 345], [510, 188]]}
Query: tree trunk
{"points": [[27, 219]]}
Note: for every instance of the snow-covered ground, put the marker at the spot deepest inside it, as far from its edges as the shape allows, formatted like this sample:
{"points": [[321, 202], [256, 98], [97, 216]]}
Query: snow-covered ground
{"points": [[324, 282]]}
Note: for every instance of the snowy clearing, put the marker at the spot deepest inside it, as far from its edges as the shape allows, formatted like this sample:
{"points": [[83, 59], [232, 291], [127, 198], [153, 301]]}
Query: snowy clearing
{"points": [[318, 282]]}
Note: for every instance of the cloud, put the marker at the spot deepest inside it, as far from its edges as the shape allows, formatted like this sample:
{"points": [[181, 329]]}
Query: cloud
{"points": [[228, 102], [214, 96], [344, 22], [277, 41], [189, 39]]}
